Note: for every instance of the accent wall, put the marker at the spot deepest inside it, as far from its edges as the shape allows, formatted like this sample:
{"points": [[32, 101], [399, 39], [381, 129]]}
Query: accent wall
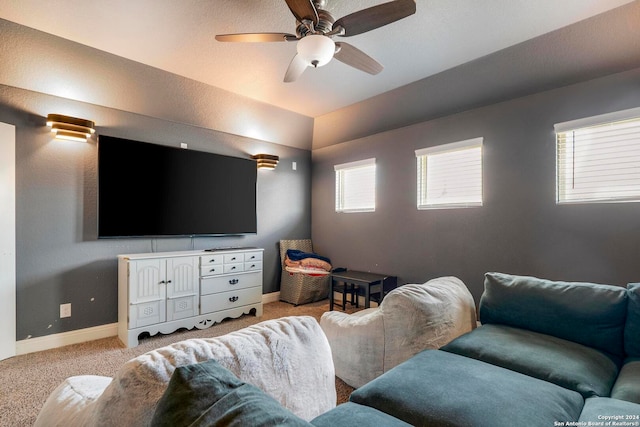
{"points": [[519, 229], [59, 258]]}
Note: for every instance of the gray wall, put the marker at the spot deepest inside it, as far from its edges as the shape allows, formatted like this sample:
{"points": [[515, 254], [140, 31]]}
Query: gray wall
{"points": [[59, 258], [599, 46], [40, 62], [519, 230]]}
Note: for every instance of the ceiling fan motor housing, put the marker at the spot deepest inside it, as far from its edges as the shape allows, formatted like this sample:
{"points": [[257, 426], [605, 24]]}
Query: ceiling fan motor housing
{"points": [[323, 26]]}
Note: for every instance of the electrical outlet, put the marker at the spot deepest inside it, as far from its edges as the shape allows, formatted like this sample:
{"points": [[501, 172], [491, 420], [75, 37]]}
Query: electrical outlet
{"points": [[65, 310]]}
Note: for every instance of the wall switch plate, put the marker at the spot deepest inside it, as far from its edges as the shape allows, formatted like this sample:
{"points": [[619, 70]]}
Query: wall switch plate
{"points": [[294, 165], [65, 310], [183, 145]]}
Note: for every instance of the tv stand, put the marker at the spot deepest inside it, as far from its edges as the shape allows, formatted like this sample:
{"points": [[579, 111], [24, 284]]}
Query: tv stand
{"points": [[162, 292]]}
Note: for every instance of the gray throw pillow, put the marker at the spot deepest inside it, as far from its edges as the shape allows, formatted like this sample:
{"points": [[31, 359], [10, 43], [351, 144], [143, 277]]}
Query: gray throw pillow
{"points": [[207, 394]]}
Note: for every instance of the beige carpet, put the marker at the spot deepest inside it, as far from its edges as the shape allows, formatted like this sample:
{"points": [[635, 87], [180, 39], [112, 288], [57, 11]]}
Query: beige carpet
{"points": [[26, 381]]}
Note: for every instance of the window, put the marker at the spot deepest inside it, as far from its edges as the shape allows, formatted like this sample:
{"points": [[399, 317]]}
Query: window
{"points": [[356, 186], [598, 158], [450, 175]]}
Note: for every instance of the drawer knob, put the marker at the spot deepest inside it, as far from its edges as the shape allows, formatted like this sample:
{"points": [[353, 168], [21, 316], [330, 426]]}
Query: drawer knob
{"points": [[233, 268], [212, 270], [233, 281], [212, 260], [233, 259], [161, 282], [253, 257], [234, 299]]}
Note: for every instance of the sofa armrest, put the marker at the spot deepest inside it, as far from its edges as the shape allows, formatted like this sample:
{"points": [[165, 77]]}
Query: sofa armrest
{"points": [[357, 344]]}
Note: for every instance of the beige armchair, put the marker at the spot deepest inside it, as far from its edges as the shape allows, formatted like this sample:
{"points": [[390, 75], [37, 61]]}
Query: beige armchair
{"points": [[300, 288], [410, 319]]}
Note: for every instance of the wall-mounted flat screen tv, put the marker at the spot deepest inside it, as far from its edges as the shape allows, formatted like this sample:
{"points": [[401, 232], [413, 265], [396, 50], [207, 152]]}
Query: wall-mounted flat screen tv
{"points": [[150, 190]]}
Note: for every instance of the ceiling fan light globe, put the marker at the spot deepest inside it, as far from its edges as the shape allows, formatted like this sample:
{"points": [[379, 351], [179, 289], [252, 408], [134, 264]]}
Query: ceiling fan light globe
{"points": [[316, 50]]}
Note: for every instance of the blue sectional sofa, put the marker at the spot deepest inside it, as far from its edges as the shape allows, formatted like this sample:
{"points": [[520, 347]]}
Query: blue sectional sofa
{"points": [[547, 354]]}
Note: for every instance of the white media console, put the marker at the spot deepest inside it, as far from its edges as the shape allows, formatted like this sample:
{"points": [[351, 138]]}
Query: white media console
{"points": [[163, 291]]}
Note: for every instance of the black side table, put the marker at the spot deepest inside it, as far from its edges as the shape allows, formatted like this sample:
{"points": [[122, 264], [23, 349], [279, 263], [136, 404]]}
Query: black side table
{"points": [[372, 283]]}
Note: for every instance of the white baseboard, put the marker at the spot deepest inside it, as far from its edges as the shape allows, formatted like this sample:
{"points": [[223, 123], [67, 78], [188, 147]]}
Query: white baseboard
{"points": [[88, 334], [66, 338], [272, 297]]}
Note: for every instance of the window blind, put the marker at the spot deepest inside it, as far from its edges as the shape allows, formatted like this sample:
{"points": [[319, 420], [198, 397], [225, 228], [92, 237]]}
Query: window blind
{"points": [[356, 186], [450, 175], [600, 162]]}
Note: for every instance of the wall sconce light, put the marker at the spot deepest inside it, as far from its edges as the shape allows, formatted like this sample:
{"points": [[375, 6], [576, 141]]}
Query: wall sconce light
{"points": [[266, 161], [70, 128]]}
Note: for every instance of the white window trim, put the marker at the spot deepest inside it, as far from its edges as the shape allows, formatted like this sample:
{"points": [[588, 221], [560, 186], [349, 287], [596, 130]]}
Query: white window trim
{"points": [[353, 165], [357, 163], [453, 146], [601, 119], [439, 149]]}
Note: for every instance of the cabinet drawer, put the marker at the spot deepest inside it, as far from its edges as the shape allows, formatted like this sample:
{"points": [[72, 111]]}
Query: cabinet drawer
{"points": [[213, 259], [230, 299], [251, 266], [179, 308], [147, 313], [233, 268], [228, 258], [253, 256], [211, 285], [211, 270]]}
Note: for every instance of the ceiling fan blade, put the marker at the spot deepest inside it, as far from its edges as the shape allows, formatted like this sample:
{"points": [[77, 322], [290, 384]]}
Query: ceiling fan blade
{"points": [[295, 70], [375, 17], [356, 58], [256, 37], [303, 9]]}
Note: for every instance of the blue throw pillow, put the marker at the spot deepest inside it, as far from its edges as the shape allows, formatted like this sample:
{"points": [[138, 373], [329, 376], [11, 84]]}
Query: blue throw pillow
{"points": [[207, 394], [586, 313]]}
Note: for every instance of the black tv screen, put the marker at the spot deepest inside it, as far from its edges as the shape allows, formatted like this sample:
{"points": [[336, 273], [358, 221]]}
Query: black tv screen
{"points": [[147, 190]]}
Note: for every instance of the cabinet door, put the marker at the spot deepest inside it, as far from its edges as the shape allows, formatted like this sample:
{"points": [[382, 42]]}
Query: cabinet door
{"points": [[147, 280], [182, 277]]}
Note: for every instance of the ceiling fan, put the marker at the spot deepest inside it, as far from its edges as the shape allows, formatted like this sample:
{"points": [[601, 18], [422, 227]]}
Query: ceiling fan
{"points": [[315, 31]]}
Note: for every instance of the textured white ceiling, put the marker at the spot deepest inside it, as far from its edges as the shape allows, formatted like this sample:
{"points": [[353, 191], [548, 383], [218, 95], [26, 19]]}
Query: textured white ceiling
{"points": [[178, 36]]}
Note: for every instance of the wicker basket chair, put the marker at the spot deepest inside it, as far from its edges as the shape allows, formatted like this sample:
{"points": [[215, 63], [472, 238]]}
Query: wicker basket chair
{"points": [[300, 288]]}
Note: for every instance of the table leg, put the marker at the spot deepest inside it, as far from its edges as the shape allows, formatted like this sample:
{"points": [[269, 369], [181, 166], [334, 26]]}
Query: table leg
{"points": [[354, 295], [344, 295], [331, 294], [367, 295]]}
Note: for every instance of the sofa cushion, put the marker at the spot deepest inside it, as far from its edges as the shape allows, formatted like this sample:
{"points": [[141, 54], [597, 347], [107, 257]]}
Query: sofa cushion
{"points": [[627, 386], [632, 326], [588, 371], [439, 388], [207, 394], [603, 411], [353, 415], [586, 313]]}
